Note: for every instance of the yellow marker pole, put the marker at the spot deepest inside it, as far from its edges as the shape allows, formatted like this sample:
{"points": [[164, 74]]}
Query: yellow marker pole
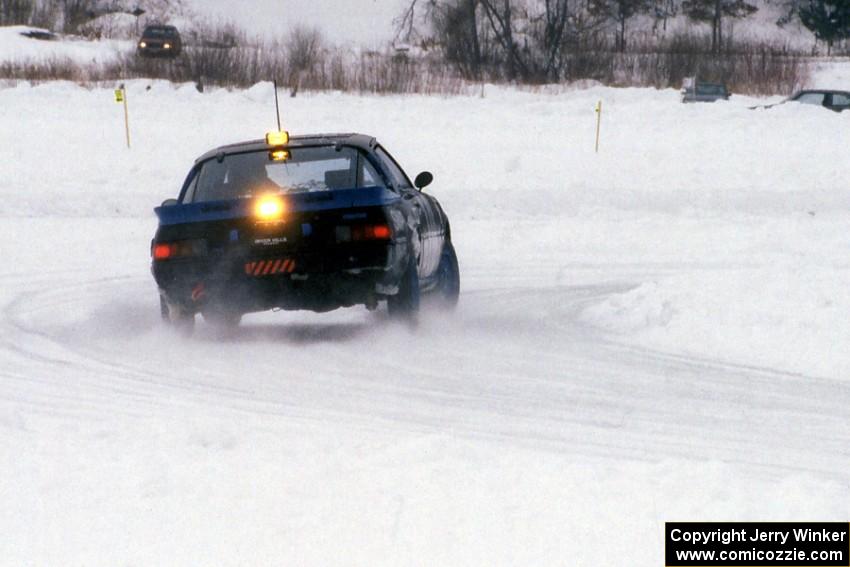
{"points": [[121, 96], [598, 123]]}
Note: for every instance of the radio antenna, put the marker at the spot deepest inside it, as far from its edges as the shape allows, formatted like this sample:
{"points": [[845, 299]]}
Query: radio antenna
{"points": [[276, 105]]}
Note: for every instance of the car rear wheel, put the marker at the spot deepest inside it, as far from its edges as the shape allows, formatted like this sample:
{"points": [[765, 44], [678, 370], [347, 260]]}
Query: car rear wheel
{"points": [[448, 278], [405, 304], [176, 317]]}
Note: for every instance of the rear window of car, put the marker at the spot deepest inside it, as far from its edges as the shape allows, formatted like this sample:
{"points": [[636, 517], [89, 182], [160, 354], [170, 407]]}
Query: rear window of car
{"points": [[324, 168], [708, 89], [397, 176]]}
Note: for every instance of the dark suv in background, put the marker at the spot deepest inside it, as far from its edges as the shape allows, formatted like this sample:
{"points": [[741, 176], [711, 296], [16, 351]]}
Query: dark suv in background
{"points": [[160, 41], [704, 92]]}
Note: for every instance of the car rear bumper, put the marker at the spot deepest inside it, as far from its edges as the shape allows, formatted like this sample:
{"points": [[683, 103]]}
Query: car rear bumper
{"points": [[257, 282], [157, 52]]}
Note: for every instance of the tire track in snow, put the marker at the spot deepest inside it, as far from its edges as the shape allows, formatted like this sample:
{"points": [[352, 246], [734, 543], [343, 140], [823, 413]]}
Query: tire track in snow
{"points": [[514, 365]]}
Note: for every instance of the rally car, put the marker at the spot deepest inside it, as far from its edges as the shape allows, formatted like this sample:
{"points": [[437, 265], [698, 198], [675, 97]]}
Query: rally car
{"points": [[313, 222], [159, 41]]}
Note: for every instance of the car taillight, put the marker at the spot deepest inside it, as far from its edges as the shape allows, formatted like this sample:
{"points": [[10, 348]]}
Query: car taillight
{"points": [[370, 232], [179, 249], [363, 232], [162, 251]]}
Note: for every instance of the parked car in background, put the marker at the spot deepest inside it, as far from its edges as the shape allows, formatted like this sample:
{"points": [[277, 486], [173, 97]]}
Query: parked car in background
{"points": [[833, 100], [160, 41], [704, 92]]}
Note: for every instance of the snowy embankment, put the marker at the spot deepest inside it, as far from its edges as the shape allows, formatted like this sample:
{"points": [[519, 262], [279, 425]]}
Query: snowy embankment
{"points": [[596, 381], [16, 47]]}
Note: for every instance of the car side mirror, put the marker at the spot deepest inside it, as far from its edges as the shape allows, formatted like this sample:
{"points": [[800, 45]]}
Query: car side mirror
{"points": [[423, 180], [170, 203]]}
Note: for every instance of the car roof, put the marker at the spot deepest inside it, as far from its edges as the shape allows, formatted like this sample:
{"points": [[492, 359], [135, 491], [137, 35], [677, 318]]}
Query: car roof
{"points": [[361, 141], [162, 27], [820, 91]]}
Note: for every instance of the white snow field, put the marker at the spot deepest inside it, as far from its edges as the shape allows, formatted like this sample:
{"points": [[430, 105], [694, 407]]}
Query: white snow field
{"points": [[656, 332]]}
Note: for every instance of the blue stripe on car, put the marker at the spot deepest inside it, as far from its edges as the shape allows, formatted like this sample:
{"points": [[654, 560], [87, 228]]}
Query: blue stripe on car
{"points": [[295, 202]]}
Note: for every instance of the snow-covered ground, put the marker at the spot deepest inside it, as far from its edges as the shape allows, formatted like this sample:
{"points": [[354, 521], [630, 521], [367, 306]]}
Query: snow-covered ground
{"points": [[655, 332], [20, 48]]}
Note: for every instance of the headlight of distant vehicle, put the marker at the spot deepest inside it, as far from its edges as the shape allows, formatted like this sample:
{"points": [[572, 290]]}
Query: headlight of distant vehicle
{"points": [[167, 46], [143, 44]]}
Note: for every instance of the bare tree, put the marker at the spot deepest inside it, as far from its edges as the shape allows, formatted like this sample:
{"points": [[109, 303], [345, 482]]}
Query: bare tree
{"points": [[620, 11], [304, 52], [500, 15], [662, 10], [13, 12], [456, 28], [525, 40], [553, 35], [406, 23], [713, 12], [538, 35]]}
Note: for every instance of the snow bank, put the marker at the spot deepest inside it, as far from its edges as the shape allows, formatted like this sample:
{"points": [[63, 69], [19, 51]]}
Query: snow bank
{"points": [[778, 318], [18, 48]]}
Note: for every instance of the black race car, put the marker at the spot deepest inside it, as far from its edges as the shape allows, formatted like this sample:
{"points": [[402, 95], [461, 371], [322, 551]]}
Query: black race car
{"points": [[160, 41], [312, 222]]}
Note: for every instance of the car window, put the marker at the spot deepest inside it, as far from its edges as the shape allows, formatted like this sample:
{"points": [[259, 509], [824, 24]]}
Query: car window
{"points": [[159, 32], [397, 176], [811, 98], [307, 170], [367, 175], [708, 89], [190, 190], [840, 99]]}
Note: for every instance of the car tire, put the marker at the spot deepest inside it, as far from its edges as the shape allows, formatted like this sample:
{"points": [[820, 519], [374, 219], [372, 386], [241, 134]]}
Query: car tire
{"points": [[405, 304], [176, 316], [447, 290]]}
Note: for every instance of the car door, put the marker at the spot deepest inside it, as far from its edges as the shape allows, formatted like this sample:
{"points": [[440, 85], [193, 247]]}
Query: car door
{"points": [[425, 221]]}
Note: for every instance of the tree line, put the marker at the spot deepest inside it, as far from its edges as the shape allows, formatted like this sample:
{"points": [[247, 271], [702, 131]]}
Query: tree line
{"points": [[533, 40]]}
